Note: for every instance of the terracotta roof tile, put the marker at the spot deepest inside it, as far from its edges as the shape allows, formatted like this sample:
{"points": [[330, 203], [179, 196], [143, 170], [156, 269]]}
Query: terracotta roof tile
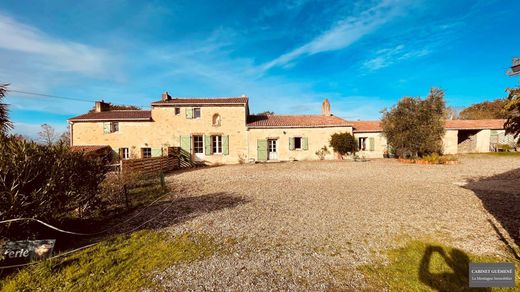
{"points": [[88, 148], [375, 126], [475, 124], [202, 100], [116, 115], [302, 121]]}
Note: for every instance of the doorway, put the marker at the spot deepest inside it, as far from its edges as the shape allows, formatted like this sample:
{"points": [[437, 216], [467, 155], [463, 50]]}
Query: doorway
{"points": [[198, 147], [272, 148]]}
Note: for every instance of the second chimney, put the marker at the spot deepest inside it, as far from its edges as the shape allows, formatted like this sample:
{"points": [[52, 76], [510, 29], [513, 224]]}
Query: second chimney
{"points": [[165, 96], [102, 106], [325, 108]]}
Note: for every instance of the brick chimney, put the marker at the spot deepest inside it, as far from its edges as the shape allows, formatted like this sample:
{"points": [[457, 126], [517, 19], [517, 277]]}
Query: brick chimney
{"points": [[102, 106], [325, 108], [165, 96]]}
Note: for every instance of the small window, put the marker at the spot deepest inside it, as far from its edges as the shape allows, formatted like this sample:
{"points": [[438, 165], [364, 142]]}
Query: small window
{"points": [[362, 143], [216, 120], [298, 143], [146, 152], [177, 111], [198, 144], [114, 127], [124, 153], [216, 142], [196, 113]]}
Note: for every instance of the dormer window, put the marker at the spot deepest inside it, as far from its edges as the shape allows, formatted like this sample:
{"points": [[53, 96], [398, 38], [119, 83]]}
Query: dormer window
{"points": [[216, 120]]}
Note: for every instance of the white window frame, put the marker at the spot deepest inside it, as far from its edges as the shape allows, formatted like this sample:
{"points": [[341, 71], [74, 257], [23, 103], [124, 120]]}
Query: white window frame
{"points": [[125, 153], [114, 127], [196, 109], [216, 144], [144, 150], [362, 143], [301, 143]]}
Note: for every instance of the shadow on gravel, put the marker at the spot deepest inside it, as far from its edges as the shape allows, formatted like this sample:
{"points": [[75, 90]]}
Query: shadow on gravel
{"points": [[179, 210], [500, 195]]}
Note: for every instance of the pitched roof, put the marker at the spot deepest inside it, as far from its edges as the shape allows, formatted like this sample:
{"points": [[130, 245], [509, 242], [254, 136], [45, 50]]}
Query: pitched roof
{"points": [[375, 126], [475, 124], [88, 148], [295, 121], [366, 126], [202, 100], [115, 115]]}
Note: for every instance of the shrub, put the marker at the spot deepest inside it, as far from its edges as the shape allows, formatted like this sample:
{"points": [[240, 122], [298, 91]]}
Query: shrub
{"points": [[343, 143], [322, 152], [50, 183], [435, 158], [415, 126]]}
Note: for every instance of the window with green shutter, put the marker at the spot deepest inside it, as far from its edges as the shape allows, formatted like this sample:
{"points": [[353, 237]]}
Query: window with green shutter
{"points": [[189, 113], [186, 145], [156, 152], [371, 144], [207, 145], [291, 143], [225, 145], [305, 143], [261, 149], [106, 128]]}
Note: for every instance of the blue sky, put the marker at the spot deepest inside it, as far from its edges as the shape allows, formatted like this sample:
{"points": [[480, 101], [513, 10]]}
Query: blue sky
{"points": [[286, 56]]}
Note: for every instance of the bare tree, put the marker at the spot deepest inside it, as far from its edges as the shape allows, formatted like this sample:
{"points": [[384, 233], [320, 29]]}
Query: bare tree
{"points": [[5, 123], [47, 135], [65, 136]]}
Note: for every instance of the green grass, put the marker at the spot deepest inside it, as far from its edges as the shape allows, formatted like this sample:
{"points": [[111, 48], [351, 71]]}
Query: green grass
{"points": [[496, 153], [125, 263], [424, 266]]}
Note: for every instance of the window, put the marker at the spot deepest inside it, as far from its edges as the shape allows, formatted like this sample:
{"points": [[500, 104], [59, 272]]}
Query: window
{"points": [[124, 153], [196, 113], [146, 152], [362, 143], [298, 143], [114, 127], [216, 144], [177, 111], [216, 120], [198, 144]]}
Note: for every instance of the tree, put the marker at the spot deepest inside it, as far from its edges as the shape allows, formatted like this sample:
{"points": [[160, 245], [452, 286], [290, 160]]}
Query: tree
{"points": [[343, 143], [485, 110], [47, 135], [415, 126], [512, 106], [5, 123], [65, 136], [119, 107]]}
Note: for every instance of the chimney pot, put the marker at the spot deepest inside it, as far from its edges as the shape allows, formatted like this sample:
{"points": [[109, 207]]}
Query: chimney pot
{"points": [[102, 106], [325, 108], [166, 96]]}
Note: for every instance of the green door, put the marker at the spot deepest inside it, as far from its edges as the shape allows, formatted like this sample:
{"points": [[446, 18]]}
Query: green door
{"points": [[261, 145], [186, 146]]}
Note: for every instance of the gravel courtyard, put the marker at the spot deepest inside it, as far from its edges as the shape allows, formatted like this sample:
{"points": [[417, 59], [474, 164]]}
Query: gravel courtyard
{"points": [[294, 224]]}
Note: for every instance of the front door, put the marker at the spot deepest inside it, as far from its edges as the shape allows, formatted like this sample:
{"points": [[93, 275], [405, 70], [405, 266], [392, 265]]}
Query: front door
{"points": [[198, 147], [272, 149]]}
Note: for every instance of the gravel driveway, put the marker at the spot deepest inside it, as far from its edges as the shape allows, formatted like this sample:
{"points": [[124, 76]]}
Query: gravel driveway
{"points": [[295, 223]]}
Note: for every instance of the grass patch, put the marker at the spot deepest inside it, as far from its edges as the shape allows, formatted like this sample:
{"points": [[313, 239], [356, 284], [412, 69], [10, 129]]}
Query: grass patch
{"points": [[125, 263], [498, 154], [424, 266]]}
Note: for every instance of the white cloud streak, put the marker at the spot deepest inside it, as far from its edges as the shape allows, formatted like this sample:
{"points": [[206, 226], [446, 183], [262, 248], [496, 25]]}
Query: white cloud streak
{"points": [[390, 56], [52, 53], [343, 34]]}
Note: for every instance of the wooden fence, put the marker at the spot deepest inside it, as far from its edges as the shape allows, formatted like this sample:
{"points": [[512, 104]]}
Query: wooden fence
{"points": [[150, 165]]}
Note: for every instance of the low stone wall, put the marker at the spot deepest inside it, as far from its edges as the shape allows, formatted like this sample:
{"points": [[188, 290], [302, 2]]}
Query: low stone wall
{"points": [[150, 165]]}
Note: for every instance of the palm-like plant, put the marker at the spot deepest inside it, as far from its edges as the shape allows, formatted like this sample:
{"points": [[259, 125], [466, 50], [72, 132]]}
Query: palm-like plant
{"points": [[5, 123]]}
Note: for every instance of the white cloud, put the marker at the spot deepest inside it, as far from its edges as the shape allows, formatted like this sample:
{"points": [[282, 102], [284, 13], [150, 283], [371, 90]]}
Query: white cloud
{"points": [[390, 56], [343, 34], [49, 52]]}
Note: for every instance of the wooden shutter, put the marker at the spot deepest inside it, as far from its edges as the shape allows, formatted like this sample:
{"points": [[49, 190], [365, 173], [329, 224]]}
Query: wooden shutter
{"points": [[291, 143], [225, 145], [207, 145], [371, 145], [189, 113], [156, 152], [106, 127], [262, 149], [186, 145], [305, 143]]}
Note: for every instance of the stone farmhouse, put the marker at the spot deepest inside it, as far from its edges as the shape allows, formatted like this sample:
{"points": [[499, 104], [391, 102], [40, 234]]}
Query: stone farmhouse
{"points": [[222, 130]]}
